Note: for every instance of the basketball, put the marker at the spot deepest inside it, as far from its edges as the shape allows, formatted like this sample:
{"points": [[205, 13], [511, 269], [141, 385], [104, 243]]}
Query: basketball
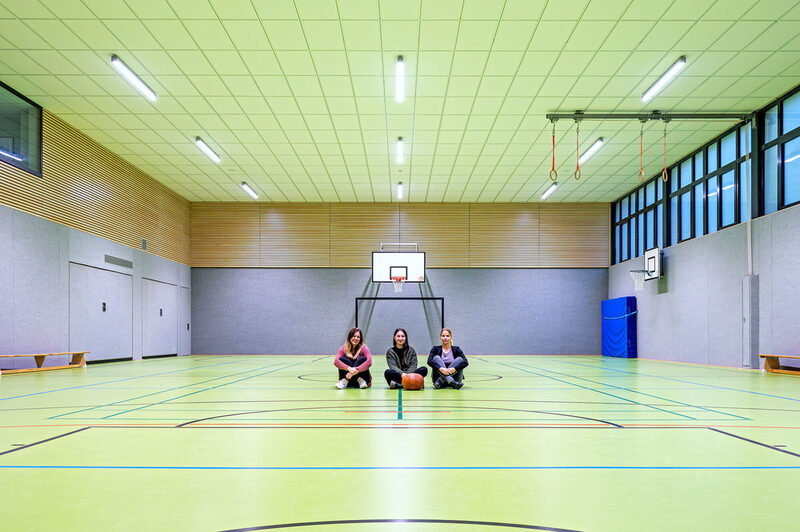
{"points": [[413, 381]]}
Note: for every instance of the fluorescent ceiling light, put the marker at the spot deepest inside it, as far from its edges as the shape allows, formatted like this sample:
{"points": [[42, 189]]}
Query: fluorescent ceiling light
{"points": [[12, 156], [400, 190], [664, 80], [591, 151], [792, 159], [399, 150], [250, 191], [132, 78], [399, 79], [552, 188], [205, 149]]}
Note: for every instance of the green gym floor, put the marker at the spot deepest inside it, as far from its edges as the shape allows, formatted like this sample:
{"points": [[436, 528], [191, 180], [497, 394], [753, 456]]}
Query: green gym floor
{"points": [[267, 443]]}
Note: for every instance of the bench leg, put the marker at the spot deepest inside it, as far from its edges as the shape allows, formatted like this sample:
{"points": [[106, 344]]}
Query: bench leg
{"points": [[79, 359], [772, 363], [39, 360]]}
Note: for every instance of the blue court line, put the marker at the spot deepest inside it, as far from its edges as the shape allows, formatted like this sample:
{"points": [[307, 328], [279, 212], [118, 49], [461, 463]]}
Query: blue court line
{"points": [[683, 381], [643, 393], [396, 468], [203, 390], [601, 392], [156, 393], [120, 380]]}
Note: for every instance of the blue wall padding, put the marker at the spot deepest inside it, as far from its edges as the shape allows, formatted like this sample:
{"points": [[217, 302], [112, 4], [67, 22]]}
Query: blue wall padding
{"points": [[619, 327]]}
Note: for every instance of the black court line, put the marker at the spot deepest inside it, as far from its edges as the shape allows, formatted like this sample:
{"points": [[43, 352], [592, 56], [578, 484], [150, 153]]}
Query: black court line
{"points": [[426, 521], [328, 377], [755, 442], [313, 408], [44, 441]]}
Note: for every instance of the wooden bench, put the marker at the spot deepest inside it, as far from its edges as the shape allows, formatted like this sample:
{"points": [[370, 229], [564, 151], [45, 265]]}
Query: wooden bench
{"points": [[78, 360], [773, 365]]}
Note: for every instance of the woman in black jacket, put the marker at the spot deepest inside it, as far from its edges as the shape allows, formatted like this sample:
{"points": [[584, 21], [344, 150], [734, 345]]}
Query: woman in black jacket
{"points": [[401, 359], [447, 362]]}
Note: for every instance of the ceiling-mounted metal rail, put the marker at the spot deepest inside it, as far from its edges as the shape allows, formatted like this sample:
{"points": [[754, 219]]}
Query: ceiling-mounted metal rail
{"points": [[579, 116]]}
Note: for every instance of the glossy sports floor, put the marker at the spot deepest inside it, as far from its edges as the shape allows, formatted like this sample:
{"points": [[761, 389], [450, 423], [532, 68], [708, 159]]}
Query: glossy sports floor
{"points": [[267, 442]]}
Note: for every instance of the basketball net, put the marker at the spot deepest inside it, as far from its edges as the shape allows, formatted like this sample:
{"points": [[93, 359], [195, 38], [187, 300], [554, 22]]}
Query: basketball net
{"points": [[398, 283], [638, 279]]}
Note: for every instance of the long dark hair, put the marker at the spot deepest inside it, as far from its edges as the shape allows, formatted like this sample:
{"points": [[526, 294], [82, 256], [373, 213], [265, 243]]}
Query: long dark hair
{"points": [[394, 342], [404, 350], [348, 347]]}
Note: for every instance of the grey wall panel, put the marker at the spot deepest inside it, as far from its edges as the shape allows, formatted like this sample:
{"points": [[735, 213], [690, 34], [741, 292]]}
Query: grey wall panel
{"points": [[491, 311], [91, 250], [694, 312], [159, 269], [6, 282], [185, 276], [40, 291]]}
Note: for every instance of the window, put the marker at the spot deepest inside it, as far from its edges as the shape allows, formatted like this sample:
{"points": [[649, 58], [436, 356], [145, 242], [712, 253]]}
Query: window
{"points": [[771, 180], [698, 166], [698, 209], [673, 229], [728, 192], [712, 157], [744, 191], [727, 149], [650, 193], [625, 241], [713, 199], [686, 172], [771, 125], [657, 228], [20, 131], [686, 216], [650, 232], [791, 113], [791, 171]]}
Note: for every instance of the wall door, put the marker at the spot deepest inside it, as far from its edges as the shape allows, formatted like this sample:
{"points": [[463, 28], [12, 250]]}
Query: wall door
{"points": [[159, 318], [100, 312]]}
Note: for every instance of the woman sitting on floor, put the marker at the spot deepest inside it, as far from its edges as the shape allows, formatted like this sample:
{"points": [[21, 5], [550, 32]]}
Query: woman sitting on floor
{"points": [[353, 361], [402, 359], [447, 362]]}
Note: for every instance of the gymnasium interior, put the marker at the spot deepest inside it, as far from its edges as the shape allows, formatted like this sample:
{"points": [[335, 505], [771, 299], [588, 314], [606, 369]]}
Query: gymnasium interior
{"points": [[199, 199]]}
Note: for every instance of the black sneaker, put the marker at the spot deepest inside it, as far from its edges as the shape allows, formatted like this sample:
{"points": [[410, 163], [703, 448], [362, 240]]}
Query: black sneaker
{"points": [[456, 385], [438, 383], [395, 385]]}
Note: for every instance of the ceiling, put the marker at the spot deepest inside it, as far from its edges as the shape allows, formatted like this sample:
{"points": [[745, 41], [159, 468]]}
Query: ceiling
{"points": [[297, 97]]}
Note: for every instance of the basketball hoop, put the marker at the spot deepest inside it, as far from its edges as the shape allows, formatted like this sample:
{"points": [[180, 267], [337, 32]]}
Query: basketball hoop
{"points": [[398, 283], [638, 279]]}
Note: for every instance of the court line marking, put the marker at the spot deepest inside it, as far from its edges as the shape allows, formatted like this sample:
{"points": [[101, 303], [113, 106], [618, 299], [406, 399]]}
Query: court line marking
{"points": [[120, 380], [641, 393], [601, 392], [155, 393], [399, 403], [44, 441], [395, 468], [685, 382], [205, 389], [755, 442], [427, 521]]}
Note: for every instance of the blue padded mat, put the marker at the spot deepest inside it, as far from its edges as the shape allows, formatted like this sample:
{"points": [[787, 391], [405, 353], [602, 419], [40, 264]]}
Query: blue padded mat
{"points": [[619, 327]]}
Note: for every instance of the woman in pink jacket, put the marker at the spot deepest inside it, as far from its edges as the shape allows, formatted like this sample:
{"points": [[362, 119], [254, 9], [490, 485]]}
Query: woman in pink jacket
{"points": [[353, 361]]}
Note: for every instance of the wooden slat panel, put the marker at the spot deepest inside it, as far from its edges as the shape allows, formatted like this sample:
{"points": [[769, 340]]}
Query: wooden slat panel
{"points": [[294, 236], [89, 188], [357, 229], [226, 235], [504, 235], [574, 235], [440, 229]]}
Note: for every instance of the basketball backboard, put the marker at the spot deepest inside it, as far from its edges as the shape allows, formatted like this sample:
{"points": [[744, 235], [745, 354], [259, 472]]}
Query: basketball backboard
{"points": [[652, 264], [388, 264]]}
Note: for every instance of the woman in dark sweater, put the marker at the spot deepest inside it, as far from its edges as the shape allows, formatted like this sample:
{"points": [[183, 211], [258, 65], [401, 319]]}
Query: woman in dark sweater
{"points": [[447, 362], [401, 359]]}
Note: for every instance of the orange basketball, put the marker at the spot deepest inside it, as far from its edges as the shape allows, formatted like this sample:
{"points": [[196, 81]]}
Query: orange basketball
{"points": [[413, 381]]}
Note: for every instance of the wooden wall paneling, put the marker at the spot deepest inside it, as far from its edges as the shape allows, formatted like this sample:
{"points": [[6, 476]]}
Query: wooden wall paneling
{"points": [[440, 229], [504, 235], [574, 235], [89, 188], [226, 235], [357, 229], [295, 235]]}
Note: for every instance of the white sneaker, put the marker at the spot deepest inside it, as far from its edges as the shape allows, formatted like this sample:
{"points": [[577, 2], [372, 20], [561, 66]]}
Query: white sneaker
{"points": [[362, 383], [342, 384]]}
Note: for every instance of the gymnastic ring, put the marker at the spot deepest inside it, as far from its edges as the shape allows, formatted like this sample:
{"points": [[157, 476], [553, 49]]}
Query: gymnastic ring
{"points": [[641, 175], [553, 175], [577, 174], [664, 175]]}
